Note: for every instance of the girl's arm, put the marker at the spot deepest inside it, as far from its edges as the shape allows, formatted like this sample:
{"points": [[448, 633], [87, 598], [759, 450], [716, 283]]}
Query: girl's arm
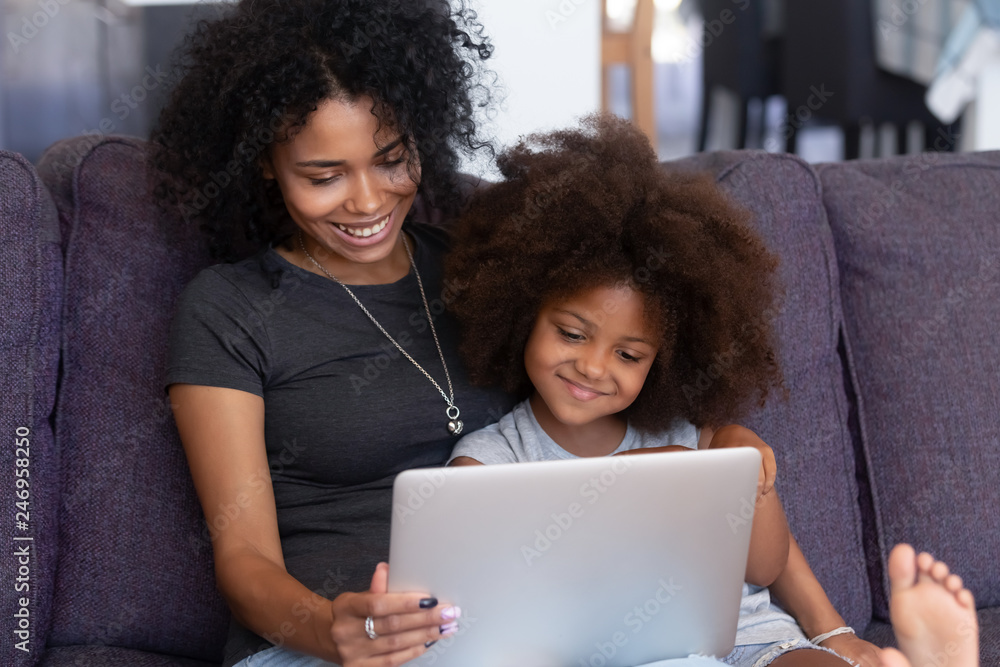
{"points": [[222, 431], [802, 596], [465, 461], [769, 538]]}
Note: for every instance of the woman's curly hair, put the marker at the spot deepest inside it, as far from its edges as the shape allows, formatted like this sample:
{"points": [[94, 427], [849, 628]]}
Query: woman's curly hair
{"points": [[592, 207], [253, 76]]}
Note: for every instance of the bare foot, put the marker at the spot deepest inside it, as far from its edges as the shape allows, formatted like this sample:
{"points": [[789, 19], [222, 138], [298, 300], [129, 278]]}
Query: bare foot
{"points": [[933, 616]]}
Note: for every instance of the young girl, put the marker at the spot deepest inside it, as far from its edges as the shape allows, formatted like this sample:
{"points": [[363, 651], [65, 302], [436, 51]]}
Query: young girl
{"points": [[595, 287]]}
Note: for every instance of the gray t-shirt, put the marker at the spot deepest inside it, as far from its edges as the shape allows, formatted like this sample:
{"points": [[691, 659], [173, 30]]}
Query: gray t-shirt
{"points": [[344, 410], [518, 438]]}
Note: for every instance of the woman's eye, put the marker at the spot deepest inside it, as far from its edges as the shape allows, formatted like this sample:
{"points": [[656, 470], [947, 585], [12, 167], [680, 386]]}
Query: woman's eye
{"points": [[322, 181], [396, 162]]}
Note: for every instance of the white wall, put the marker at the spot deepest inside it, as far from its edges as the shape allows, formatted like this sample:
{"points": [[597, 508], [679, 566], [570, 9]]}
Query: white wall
{"points": [[548, 58]]}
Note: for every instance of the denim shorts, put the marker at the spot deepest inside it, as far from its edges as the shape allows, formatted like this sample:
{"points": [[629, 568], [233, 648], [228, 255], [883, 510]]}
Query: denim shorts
{"points": [[761, 655], [278, 656]]}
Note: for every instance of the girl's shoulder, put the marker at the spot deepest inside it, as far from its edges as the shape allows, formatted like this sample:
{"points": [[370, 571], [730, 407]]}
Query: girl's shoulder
{"points": [[680, 433]]}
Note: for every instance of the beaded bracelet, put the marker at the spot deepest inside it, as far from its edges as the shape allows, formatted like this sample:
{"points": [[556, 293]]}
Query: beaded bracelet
{"points": [[819, 639]]}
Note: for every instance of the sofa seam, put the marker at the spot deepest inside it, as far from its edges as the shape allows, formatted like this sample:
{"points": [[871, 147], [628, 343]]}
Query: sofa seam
{"points": [[835, 325]]}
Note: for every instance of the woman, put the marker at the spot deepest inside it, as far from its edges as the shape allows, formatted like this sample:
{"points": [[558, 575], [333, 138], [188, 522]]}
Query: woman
{"points": [[305, 377]]}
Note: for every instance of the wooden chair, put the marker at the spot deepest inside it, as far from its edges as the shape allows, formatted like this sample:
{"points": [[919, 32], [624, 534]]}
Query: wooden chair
{"points": [[633, 48]]}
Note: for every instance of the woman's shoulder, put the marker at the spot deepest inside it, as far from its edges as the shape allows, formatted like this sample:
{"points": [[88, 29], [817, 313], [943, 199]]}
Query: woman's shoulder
{"points": [[245, 279], [436, 238]]}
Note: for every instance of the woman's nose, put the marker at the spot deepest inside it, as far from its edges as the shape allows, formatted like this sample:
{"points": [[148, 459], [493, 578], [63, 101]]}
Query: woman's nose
{"points": [[366, 196]]}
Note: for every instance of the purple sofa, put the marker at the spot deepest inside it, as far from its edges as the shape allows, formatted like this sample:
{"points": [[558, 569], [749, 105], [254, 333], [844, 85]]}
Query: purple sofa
{"points": [[890, 347]]}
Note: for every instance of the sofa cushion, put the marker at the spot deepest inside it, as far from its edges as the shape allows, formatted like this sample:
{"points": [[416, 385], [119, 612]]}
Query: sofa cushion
{"points": [[30, 300], [918, 246], [111, 656], [135, 566], [808, 432]]}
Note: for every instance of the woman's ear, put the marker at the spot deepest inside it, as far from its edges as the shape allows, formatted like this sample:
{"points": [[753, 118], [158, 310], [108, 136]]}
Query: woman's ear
{"points": [[266, 168]]}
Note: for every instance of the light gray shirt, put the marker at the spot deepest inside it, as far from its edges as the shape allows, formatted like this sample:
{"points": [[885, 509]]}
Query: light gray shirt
{"points": [[518, 438]]}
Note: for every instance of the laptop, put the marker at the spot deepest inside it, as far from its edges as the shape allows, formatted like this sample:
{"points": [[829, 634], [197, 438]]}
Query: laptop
{"points": [[595, 562]]}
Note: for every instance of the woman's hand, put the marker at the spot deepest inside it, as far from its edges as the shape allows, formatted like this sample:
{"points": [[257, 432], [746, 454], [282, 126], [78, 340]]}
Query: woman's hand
{"points": [[405, 624], [738, 436], [854, 649]]}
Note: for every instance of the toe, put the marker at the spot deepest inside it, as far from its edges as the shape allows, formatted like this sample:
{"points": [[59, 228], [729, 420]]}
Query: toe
{"points": [[902, 567], [939, 571], [925, 562], [966, 599], [953, 583]]}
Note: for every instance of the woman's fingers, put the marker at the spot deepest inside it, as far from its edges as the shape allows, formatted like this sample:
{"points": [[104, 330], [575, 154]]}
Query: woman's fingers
{"points": [[770, 469], [431, 619], [380, 579]]}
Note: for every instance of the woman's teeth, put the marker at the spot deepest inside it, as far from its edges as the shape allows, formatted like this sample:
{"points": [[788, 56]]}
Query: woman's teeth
{"points": [[367, 231]]}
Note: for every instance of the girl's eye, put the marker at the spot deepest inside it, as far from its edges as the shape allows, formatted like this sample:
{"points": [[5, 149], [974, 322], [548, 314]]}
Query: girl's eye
{"points": [[628, 357], [570, 336]]}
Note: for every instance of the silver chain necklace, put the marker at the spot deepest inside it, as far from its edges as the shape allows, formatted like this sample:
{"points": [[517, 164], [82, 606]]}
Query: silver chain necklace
{"points": [[454, 424]]}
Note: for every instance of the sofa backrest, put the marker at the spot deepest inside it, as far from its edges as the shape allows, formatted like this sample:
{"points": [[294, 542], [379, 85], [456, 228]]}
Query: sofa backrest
{"points": [[31, 301], [918, 246], [808, 432], [130, 526]]}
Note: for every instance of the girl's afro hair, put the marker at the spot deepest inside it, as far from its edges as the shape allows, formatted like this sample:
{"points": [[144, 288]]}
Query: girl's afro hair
{"points": [[254, 75], [591, 207]]}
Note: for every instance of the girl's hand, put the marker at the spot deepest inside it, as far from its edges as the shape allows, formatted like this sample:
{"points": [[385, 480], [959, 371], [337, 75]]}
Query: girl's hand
{"points": [[738, 436], [855, 649], [406, 624]]}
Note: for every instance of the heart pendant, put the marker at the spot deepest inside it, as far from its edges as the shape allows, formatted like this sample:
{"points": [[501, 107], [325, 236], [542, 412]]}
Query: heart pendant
{"points": [[455, 426]]}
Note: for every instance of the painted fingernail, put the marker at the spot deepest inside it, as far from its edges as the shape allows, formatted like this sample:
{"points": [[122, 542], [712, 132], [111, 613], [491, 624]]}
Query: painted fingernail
{"points": [[429, 644], [449, 613], [449, 628], [427, 603]]}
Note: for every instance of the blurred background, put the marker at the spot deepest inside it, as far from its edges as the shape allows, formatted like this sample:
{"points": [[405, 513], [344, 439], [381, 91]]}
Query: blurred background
{"points": [[829, 80]]}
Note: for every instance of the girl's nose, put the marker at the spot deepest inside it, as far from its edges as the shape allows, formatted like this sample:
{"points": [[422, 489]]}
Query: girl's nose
{"points": [[591, 364]]}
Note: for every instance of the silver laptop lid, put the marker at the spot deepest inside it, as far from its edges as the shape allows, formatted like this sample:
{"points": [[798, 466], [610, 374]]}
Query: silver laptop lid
{"points": [[597, 562]]}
